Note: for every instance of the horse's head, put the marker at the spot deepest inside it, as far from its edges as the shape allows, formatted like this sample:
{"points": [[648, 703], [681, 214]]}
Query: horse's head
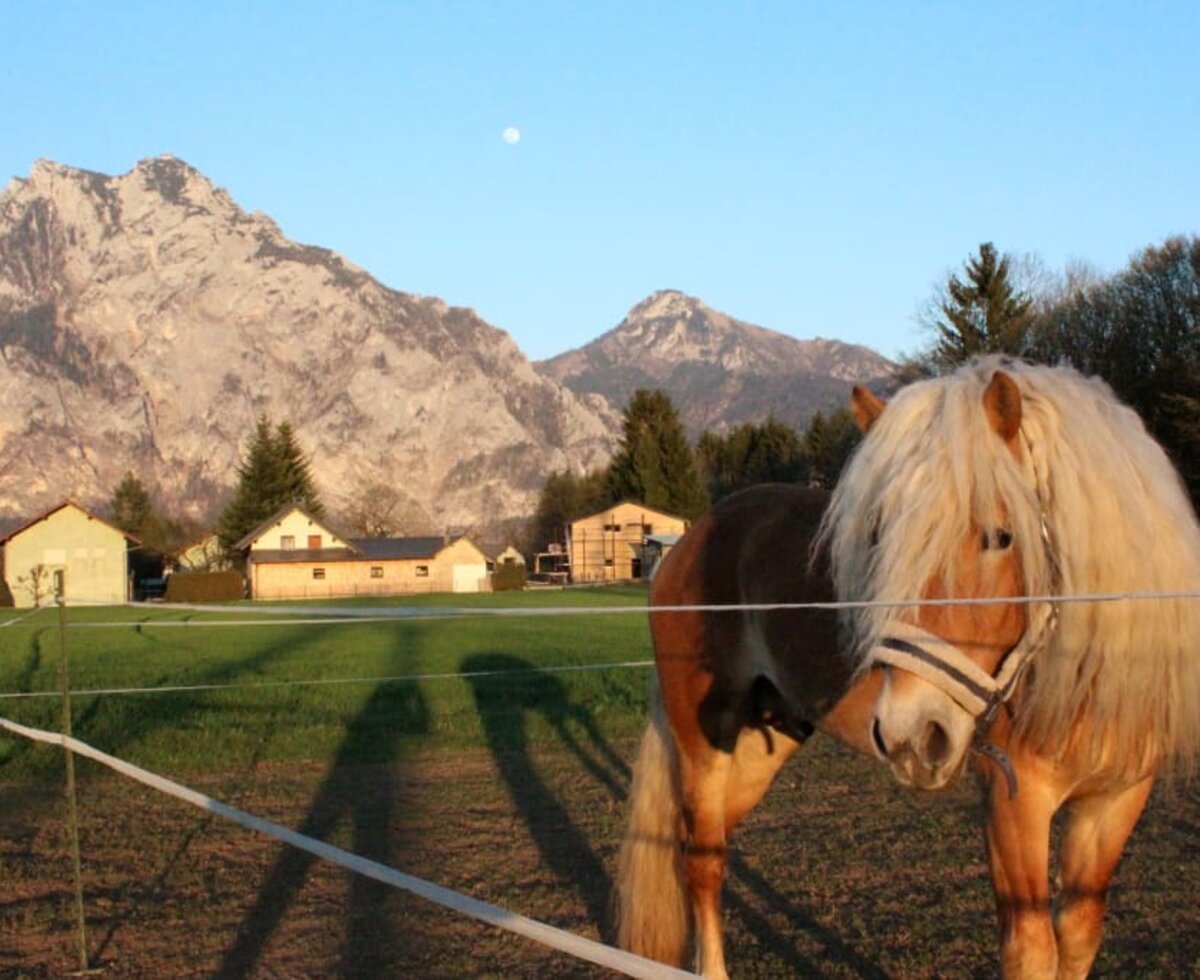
{"points": [[923, 541]]}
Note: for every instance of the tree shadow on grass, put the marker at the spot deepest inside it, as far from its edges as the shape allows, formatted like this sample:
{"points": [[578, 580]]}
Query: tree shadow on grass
{"points": [[507, 692], [393, 710]]}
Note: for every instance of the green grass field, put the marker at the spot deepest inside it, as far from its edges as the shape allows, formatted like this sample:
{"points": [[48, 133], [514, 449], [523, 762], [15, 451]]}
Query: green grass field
{"points": [[269, 690]]}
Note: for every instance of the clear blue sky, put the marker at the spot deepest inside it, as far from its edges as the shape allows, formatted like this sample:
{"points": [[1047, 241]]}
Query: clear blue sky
{"points": [[812, 167]]}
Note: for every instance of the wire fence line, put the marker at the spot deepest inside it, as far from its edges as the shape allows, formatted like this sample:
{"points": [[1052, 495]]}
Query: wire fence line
{"points": [[349, 615], [317, 682]]}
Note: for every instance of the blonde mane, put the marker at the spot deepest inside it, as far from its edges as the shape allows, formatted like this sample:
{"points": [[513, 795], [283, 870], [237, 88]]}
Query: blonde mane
{"points": [[1119, 520]]}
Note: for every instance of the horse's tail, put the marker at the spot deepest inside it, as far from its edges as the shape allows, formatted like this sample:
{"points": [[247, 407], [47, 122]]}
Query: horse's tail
{"points": [[652, 905]]}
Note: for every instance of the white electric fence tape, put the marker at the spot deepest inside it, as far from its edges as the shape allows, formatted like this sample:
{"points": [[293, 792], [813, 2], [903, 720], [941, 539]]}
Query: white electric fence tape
{"points": [[560, 939]]}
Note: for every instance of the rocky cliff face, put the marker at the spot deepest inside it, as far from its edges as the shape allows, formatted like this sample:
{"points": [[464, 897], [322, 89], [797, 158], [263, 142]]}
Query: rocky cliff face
{"points": [[719, 371], [146, 321]]}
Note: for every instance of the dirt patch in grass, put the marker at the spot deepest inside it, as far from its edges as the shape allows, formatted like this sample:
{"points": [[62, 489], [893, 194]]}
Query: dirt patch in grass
{"points": [[839, 874]]}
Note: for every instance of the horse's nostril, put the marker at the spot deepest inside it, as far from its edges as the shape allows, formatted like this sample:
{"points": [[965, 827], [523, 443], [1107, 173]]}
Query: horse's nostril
{"points": [[937, 745], [877, 738]]}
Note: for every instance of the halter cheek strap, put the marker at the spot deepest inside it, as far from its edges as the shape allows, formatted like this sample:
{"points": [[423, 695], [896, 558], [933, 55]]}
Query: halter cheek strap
{"points": [[947, 668]]}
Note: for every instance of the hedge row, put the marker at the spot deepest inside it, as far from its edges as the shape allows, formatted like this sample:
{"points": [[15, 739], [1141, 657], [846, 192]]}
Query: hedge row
{"points": [[205, 587]]}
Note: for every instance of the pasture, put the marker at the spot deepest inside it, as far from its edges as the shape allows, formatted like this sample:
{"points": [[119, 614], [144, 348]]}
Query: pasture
{"points": [[507, 784]]}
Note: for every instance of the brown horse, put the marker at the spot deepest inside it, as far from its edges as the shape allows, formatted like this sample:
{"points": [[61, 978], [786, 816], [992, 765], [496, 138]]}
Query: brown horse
{"points": [[969, 495]]}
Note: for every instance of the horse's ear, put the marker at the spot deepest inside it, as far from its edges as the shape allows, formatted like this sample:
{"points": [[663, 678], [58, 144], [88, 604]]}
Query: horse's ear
{"points": [[1002, 402], [865, 408]]}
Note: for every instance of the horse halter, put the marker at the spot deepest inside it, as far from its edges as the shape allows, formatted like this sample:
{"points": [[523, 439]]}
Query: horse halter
{"points": [[946, 667]]}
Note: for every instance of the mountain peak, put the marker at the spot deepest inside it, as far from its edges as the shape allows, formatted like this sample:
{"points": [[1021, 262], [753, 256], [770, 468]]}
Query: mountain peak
{"points": [[719, 371], [665, 303]]}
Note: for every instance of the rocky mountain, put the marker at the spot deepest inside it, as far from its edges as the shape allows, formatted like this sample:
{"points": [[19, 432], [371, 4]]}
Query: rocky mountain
{"points": [[146, 321], [719, 371]]}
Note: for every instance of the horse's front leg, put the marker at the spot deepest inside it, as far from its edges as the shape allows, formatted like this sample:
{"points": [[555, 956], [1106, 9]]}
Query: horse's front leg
{"points": [[1018, 841], [1097, 830]]}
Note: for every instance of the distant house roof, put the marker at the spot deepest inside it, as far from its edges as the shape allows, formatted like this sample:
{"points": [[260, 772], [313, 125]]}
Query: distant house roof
{"points": [[361, 549], [626, 502], [395, 548], [275, 518], [664, 539], [54, 510]]}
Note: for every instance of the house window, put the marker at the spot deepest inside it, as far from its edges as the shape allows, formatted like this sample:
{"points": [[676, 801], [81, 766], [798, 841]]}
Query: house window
{"points": [[318, 573], [422, 571], [287, 542], [608, 563], [314, 542], [376, 571], [612, 527], [647, 529]]}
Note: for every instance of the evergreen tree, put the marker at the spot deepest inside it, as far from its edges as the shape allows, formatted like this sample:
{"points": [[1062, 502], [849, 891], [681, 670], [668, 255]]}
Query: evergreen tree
{"points": [[565, 497], [130, 505], [296, 480], [829, 441], [134, 512], [983, 313], [654, 464], [752, 453], [1139, 329], [273, 473]]}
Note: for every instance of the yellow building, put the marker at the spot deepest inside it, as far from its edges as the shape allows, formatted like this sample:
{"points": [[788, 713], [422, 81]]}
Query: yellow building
{"points": [[611, 546], [91, 555], [293, 555]]}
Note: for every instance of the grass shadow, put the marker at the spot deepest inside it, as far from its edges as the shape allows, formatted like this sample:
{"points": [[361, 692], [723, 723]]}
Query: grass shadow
{"points": [[372, 738], [507, 691]]}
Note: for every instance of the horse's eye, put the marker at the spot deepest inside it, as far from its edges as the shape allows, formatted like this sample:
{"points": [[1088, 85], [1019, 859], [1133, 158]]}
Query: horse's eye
{"points": [[997, 539]]}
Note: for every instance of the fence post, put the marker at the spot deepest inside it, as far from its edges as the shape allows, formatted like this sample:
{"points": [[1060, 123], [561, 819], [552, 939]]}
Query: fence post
{"points": [[60, 596]]}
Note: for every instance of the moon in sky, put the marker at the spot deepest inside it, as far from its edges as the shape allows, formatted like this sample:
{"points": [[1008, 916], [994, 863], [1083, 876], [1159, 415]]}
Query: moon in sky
{"points": [[511, 135]]}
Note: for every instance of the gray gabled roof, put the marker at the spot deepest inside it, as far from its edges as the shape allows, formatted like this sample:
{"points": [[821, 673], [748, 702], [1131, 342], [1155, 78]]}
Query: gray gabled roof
{"points": [[361, 549], [394, 548]]}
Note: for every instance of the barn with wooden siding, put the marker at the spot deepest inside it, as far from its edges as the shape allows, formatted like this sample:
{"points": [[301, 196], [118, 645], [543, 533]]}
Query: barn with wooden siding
{"points": [[611, 546]]}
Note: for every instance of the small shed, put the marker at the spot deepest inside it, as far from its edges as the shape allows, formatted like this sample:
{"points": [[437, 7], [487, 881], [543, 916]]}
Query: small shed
{"points": [[510, 556], [91, 555], [655, 549]]}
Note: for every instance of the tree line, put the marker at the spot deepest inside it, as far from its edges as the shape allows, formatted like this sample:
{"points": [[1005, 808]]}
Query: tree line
{"points": [[657, 466], [1138, 329]]}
